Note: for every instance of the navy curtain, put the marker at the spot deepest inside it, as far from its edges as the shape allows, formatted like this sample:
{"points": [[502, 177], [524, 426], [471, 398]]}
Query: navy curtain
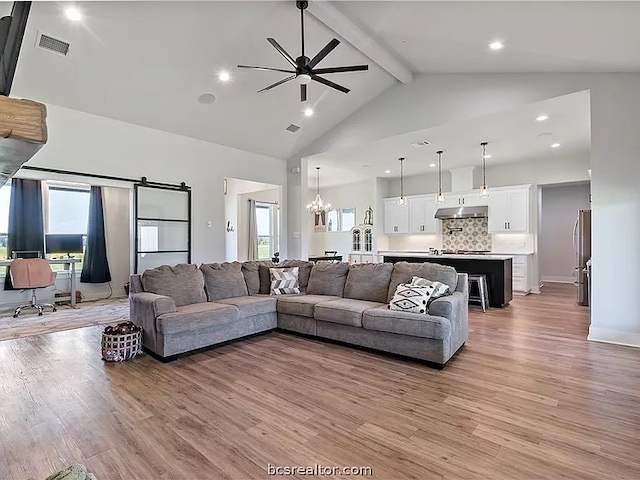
{"points": [[95, 267], [26, 221]]}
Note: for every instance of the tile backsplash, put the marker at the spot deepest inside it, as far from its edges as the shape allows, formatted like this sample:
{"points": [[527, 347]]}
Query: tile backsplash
{"points": [[466, 234]]}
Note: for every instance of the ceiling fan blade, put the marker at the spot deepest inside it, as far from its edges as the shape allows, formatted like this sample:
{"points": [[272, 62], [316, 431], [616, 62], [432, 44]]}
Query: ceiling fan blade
{"points": [[283, 52], [352, 68], [329, 83], [277, 83], [303, 92], [324, 52], [267, 69]]}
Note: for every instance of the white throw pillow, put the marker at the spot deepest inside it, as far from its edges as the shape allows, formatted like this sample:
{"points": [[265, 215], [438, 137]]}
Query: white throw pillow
{"points": [[284, 280], [440, 289], [411, 298]]}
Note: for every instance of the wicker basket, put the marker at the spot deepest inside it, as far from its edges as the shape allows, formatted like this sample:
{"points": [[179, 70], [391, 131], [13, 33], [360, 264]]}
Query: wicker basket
{"points": [[121, 347]]}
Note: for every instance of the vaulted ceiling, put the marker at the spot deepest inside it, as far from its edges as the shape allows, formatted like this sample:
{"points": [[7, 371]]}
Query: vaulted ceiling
{"points": [[147, 62]]}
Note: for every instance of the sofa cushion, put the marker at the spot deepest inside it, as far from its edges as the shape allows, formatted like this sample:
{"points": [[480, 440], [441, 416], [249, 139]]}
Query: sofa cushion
{"points": [[196, 317], [223, 280], [250, 306], [403, 272], [304, 271], [301, 305], [382, 319], [343, 310], [284, 281], [184, 283], [328, 278], [257, 279], [368, 281]]}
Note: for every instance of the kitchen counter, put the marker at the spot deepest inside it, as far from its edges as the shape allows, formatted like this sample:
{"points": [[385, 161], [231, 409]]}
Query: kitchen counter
{"points": [[418, 253], [497, 268]]}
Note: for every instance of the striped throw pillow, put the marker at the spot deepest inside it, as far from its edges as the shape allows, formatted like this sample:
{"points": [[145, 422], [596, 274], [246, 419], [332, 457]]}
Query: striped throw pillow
{"points": [[284, 280]]}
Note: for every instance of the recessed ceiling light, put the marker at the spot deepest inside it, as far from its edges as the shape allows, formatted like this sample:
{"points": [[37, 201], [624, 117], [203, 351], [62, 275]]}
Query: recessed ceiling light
{"points": [[207, 98], [224, 76], [72, 13], [542, 118], [387, 171], [487, 156], [496, 45], [432, 165], [555, 145], [308, 112]]}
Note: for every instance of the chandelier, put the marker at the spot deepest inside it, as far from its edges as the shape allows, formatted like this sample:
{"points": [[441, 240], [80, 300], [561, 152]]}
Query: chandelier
{"points": [[317, 206]]}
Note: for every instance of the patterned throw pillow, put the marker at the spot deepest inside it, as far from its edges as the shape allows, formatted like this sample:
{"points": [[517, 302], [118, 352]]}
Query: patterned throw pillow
{"points": [[284, 280], [439, 289], [411, 298]]}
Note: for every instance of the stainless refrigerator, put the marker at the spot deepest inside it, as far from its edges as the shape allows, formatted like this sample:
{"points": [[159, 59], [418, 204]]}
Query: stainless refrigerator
{"points": [[582, 250]]}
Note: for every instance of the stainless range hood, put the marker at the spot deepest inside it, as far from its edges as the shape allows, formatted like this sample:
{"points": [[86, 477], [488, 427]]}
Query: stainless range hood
{"points": [[461, 212]]}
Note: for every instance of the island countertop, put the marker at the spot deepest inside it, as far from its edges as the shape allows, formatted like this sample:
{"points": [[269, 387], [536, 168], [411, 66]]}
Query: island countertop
{"points": [[423, 254]]}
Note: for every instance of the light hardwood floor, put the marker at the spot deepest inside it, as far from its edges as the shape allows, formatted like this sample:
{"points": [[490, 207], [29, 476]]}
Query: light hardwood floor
{"points": [[528, 397]]}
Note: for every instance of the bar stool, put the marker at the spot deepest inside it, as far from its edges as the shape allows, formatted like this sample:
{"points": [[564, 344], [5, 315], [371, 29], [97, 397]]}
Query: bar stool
{"points": [[483, 290]]}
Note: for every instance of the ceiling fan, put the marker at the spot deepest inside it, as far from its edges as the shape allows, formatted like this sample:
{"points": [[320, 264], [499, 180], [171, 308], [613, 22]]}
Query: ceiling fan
{"points": [[304, 67]]}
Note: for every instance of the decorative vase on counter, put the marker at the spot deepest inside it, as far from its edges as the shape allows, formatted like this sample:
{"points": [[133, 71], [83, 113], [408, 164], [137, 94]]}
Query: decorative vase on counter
{"points": [[368, 216]]}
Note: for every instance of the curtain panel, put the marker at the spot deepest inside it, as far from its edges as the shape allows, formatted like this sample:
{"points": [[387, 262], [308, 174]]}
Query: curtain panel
{"points": [[95, 266], [26, 221]]}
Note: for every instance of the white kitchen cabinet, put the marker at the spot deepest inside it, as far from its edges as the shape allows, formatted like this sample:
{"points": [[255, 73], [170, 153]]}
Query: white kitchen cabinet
{"points": [[521, 265], [509, 211], [422, 212], [463, 199], [396, 217]]}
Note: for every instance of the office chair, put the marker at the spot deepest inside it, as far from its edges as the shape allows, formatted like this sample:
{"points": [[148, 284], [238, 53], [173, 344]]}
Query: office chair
{"points": [[32, 273]]}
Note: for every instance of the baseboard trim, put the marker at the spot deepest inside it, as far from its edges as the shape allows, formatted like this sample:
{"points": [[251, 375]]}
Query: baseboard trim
{"points": [[617, 337], [558, 279]]}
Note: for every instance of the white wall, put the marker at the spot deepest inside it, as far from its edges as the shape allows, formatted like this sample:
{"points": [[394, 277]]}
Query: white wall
{"points": [[555, 241], [359, 195], [436, 99], [539, 171], [88, 143]]}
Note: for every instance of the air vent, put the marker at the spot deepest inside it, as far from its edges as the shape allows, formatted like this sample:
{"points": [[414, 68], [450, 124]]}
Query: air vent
{"points": [[421, 143], [293, 128], [53, 45]]}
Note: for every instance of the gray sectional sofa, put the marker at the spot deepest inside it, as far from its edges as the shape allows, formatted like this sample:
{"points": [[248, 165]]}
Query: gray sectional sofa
{"points": [[186, 307]]}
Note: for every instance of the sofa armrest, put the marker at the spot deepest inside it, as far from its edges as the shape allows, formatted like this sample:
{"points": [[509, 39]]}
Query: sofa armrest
{"points": [[454, 307], [144, 308]]}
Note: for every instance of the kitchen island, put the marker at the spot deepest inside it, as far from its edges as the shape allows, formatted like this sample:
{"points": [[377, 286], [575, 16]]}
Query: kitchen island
{"points": [[497, 268]]}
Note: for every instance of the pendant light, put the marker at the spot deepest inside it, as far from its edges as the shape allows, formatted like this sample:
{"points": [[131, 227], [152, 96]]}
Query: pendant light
{"points": [[484, 189], [317, 206], [440, 197], [401, 200]]}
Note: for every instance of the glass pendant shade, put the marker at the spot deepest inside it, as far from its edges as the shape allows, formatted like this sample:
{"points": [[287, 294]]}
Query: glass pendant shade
{"points": [[318, 206]]}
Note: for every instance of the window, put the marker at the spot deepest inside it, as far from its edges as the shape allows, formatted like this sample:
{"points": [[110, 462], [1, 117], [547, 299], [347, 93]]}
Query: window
{"points": [[67, 212], [267, 219], [5, 195]]}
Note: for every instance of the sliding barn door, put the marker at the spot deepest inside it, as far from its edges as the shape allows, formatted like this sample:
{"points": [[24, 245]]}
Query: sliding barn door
{"points": [[163, 226]]}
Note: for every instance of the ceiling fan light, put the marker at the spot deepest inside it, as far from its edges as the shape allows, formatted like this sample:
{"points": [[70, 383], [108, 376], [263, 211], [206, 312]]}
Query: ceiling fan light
{"points": [[304, 79]]}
